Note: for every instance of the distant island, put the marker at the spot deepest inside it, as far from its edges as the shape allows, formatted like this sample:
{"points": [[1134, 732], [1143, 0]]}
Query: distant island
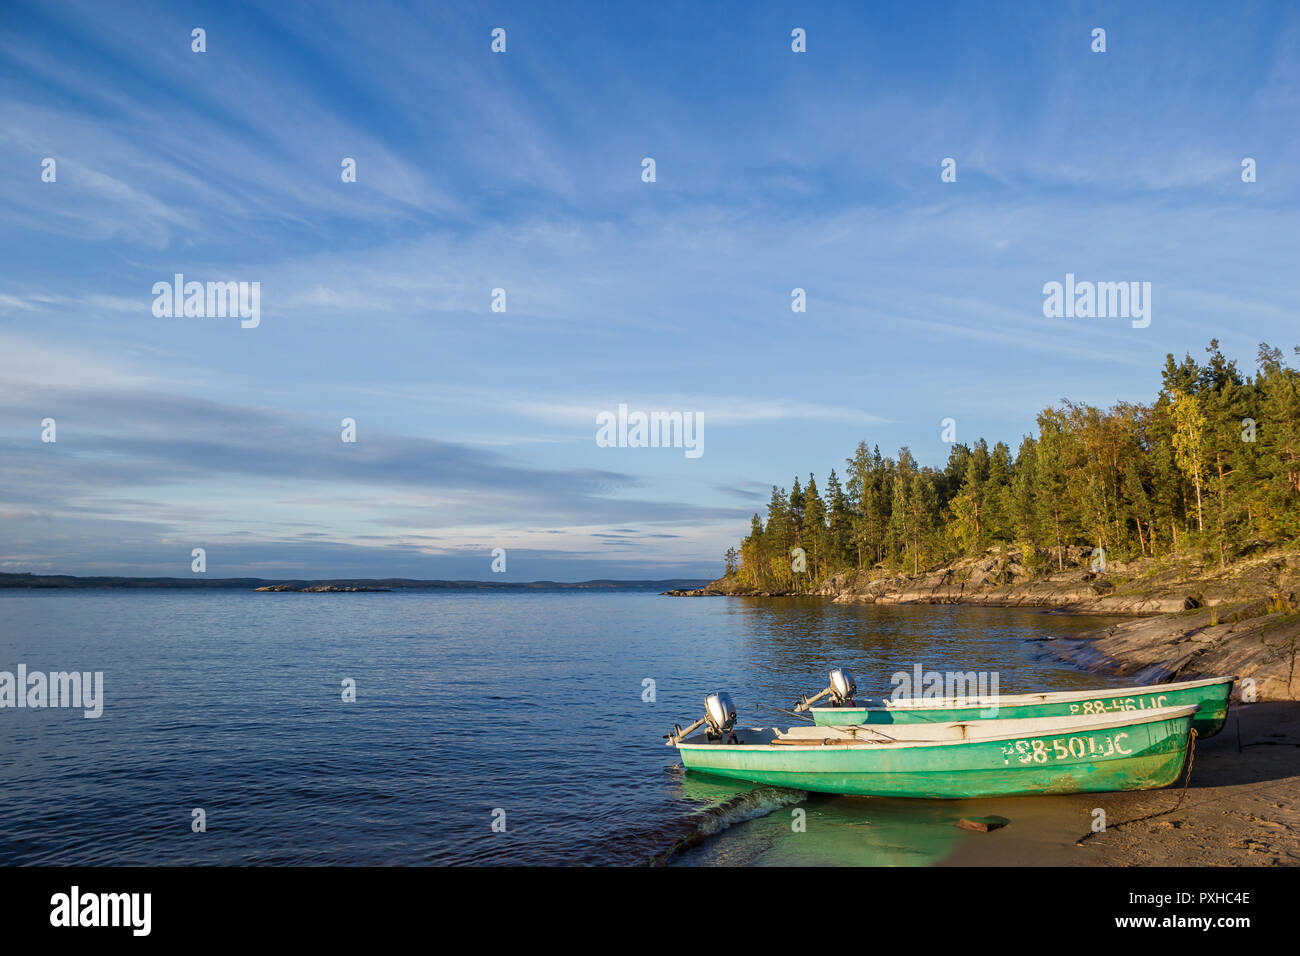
{"points": [[29, 580], [319, 588]]}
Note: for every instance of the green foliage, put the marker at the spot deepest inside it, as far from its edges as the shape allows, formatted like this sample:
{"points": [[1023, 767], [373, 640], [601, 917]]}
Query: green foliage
{"points": [[1212, 466]]}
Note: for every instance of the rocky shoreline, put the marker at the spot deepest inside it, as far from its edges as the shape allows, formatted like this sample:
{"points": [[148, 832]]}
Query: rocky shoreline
{"points": [[1259, 641], [1189, 620]]}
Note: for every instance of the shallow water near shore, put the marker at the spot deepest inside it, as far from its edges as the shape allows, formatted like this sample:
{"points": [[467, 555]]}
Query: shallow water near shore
{"points": [[469, 705]]}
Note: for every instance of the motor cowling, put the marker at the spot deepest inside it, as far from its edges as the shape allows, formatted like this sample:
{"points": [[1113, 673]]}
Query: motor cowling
{"points": [[720, 713], [843, 686]]}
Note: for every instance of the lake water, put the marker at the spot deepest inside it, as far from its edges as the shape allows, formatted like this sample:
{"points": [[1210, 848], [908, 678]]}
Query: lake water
{"points": [[467, 703]]}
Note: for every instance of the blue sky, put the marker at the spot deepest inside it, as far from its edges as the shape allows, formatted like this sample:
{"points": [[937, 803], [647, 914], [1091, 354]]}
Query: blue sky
{"points": [[522, 171]]}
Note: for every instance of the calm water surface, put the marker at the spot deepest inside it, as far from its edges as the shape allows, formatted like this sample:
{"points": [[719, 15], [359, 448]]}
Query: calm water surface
{"points": [[466, 702]]}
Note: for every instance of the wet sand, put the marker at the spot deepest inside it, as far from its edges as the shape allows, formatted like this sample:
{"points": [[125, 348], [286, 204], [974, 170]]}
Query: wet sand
{"points": [[1242, 808]]}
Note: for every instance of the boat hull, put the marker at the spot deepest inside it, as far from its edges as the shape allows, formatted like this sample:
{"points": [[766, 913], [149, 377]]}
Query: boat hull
{"points": [[1123, 756], [1212, 696]]}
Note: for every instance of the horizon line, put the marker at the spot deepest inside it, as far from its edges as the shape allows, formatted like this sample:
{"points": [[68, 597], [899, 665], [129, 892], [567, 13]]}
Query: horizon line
{"points": [[212, 582]]}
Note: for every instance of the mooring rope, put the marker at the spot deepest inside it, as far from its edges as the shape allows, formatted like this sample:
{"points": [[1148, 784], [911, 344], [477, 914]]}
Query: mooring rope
{"points": [[1191, 759], [797, 714]]}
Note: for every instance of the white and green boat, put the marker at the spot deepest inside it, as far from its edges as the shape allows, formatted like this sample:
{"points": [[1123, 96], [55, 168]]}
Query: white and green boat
{"points": [[1125, 750], [1210, 694]]}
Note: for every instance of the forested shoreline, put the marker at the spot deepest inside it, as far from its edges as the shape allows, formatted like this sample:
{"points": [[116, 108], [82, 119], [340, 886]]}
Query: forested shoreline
{"points": [[1208, 469]]}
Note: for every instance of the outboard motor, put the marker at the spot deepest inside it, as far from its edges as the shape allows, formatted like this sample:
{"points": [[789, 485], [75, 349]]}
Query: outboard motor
{"points": [[719, 715], [843, 686], [720, 712], [841, 691]]}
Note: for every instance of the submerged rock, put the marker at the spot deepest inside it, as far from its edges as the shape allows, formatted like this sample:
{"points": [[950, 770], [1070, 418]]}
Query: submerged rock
{"points": [[983, 824]]}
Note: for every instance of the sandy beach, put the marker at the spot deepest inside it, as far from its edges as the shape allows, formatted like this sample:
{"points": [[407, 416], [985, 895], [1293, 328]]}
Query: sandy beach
{"points": [[1242, 808]]}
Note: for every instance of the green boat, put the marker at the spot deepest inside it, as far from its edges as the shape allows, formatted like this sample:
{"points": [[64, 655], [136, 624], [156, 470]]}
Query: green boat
{"points": [[1128, 750], [1211, 694]]}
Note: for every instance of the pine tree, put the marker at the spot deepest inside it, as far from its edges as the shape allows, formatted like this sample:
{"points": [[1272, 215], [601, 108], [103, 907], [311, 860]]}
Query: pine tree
{"points": [[813, 535], [839, 529], [1050, 478]]}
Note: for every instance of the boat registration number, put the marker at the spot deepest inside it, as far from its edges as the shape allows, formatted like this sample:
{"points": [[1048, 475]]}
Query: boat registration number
{"points": [[1065, 748], [1118, 703]]}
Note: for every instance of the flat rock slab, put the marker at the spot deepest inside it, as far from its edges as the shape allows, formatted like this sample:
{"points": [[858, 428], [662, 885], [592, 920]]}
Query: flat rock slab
{"points": [[982, 824]]}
